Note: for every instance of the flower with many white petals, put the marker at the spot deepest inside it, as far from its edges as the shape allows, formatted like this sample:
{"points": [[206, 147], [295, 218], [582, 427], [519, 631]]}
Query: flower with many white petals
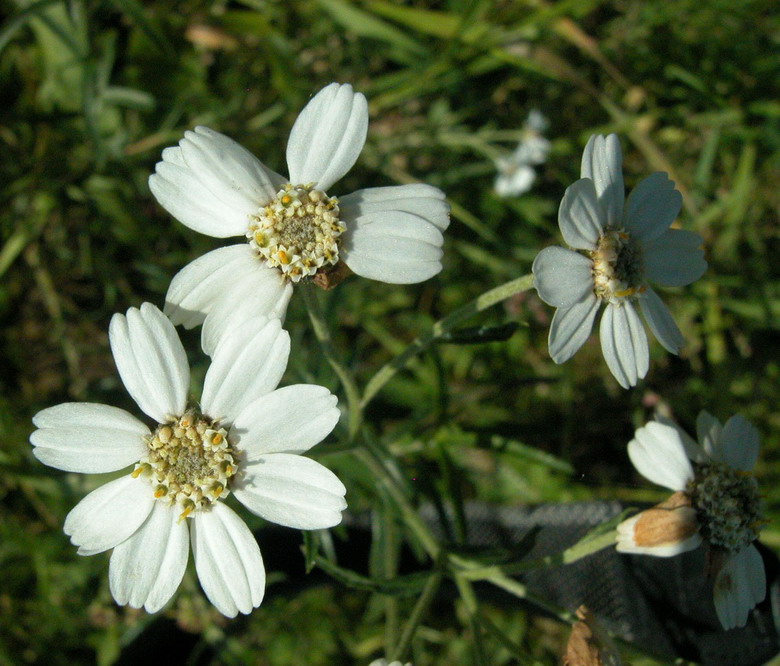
{"points": [[716, 502], [516, 174], [244, 438], [294, 228], [618, 249]]}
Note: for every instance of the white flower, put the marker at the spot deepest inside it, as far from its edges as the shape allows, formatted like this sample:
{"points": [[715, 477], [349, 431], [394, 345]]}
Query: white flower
{"points": [[716, 502], [294, 229], [515, 172], [244, 438], [384, 662], [623, 248]]}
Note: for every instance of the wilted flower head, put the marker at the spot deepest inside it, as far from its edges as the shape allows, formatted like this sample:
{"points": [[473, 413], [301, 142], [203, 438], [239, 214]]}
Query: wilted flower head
{"points": [[515, 172], [619, 248], [294, 229], [716, 503], [244, 438]]}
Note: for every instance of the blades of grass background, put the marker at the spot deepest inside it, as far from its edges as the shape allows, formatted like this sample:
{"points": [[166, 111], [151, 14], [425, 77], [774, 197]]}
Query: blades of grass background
{"points": [[364, 24], [136, 11], [19, 20]]}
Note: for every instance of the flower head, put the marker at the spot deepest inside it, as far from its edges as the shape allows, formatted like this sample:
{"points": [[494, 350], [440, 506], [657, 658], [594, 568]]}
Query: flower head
{"points": [[716, 503], [244, 439], [294, 228], [515, 172], [619, 248]]}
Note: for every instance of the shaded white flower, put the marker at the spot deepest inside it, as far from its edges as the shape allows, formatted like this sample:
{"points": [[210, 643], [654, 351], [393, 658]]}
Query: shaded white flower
{"points": [[244, 438], [618, 249], [515, 172], [716, 502], [384, 662], [294, 229]]}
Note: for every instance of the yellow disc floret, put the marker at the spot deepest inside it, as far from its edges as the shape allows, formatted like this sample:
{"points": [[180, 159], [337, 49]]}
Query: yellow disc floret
{"points": [[189, 462], [618, 268], [298, 232]]}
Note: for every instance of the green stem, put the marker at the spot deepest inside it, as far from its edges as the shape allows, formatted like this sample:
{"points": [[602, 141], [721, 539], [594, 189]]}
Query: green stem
{"points": [[482, 302], [322, 332], [418, 613]]}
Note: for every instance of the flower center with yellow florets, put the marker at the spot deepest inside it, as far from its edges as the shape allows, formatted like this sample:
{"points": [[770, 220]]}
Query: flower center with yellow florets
{"points": [[618, 268], [298, 232], [727, 505], [189, 463]]}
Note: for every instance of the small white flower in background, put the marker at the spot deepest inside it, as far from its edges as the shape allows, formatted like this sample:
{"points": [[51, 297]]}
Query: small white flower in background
{"points": [[244, 438], [515, 172], [384, 662], [716, 502], [618, 249], [294, 229]]}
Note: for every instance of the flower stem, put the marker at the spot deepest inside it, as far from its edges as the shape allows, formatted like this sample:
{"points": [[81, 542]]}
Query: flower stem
{"points": [[482, 302], [322, 332]]}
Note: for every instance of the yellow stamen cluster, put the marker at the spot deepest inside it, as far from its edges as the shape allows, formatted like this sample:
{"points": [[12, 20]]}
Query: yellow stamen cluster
{"points": [[727, 504], [298, 232], [189, 463], [618, 268]]}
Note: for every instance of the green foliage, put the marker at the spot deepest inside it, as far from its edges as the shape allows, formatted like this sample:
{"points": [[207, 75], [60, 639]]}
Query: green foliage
{"points": [[94, 90]]}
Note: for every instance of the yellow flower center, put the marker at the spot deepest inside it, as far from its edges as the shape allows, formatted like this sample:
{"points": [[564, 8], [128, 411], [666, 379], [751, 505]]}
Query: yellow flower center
{"points": [[298, 232], [189, 463], [618, 269]]}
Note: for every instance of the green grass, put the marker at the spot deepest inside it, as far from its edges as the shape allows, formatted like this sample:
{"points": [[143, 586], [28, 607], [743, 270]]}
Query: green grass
{"points": [[93, 91]]}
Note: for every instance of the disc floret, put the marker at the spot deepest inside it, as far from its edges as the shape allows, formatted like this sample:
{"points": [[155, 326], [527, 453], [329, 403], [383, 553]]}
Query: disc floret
{"points": [[189, 462], [298, 231], [727, 505], [618, 268]]}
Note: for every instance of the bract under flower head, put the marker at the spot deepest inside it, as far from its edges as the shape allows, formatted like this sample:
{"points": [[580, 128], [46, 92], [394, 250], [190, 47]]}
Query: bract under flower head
{"points": [[617, 249], [296, 230], [193, 458], [716, 503]]}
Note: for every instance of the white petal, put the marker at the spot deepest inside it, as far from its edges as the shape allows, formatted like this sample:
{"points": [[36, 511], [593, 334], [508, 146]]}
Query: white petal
{"points": [[580, 216], [513, 179], [259, 294], [327, 136], [658, 454], [211, 184], [147, 568], [425, 201], [660, 321], [739, 586], [228, 561], [738, 444], [624, 343], [247, 363], [392, 246], [602, 162], [289, 420], [230, 172], [675, 258], [626, 541], [293, 491], [570, 328], [708, 430], [110, 514], [88, 438], [151, 361], [652, 207], [199, 286], [562, 277], [692, 449]]}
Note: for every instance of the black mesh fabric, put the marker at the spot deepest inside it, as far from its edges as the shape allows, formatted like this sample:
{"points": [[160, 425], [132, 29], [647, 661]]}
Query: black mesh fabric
{"points": [[663, 605]]}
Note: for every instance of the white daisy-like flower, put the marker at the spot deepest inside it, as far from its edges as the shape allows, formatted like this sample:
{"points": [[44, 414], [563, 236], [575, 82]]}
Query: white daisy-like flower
{"points": [[515, 172], [294, 229], [716, 503], [244, 438], [617, 251]]}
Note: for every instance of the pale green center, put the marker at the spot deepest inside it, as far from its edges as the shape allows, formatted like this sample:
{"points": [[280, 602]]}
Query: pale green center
{"points": [[618, 268]]}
